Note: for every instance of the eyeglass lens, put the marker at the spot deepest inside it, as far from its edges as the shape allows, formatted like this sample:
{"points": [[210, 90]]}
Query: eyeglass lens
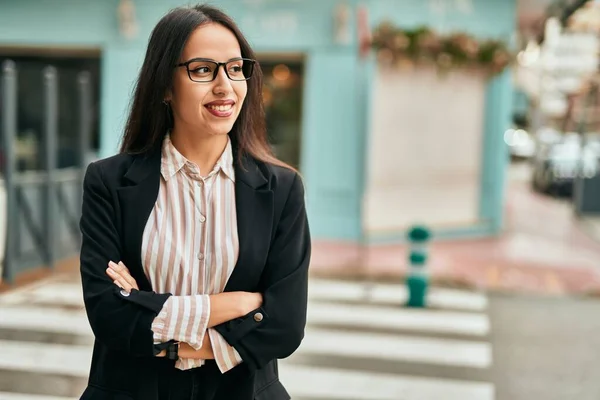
{"points": [[206, 71]]}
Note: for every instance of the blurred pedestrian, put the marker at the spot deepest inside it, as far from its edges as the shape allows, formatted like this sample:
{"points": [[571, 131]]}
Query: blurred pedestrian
{"points": [[196, 245]]}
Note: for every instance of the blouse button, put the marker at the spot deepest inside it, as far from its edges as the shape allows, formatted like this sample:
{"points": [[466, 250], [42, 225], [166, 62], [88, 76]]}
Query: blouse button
{"points": [[202, 218], [200, 256]]}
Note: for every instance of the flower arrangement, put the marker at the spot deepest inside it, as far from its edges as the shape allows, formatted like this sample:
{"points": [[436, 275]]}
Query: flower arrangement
{"points": [[398, 46]]}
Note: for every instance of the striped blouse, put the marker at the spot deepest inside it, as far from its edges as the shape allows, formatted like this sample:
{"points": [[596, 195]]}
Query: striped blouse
{"points": [[189, 248]]}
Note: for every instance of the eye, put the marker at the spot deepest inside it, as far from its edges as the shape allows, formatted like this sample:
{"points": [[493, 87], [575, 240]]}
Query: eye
{"points": [[236, 69], [201, 70]]}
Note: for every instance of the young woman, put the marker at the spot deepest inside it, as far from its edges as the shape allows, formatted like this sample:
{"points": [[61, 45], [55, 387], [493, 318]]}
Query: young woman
{"points": [[196, 245]]}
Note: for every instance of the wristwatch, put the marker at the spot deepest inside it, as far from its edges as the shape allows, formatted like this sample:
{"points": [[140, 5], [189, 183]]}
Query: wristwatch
{"points": [[171, 348], [173, 351]]}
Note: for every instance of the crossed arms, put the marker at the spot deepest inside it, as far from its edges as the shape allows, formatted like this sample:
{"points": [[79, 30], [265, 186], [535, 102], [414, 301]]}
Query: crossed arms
{"points": [[124, 322]]}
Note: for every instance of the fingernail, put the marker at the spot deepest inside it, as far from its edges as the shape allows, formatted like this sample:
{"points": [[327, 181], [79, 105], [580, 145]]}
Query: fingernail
{"points": [[112, 264]]}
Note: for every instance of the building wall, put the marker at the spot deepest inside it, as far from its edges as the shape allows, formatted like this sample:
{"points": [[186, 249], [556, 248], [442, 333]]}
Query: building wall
{"points": [[337, 84], [425, 146]]}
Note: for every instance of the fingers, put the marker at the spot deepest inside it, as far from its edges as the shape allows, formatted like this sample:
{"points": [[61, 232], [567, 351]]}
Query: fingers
{"points": [[127, 275], [120, 267], [121, 276], [122, 284]]}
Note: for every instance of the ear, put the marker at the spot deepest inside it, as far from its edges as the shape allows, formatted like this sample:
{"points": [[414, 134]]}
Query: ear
{"points": [[168, 96]]}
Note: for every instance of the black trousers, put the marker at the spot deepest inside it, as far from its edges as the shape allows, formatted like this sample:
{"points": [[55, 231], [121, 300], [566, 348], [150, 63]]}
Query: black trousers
{"points": [[199, 383]]}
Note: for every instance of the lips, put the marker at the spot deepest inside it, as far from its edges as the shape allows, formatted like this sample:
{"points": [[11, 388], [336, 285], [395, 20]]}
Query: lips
{"points": [[220, 108]]}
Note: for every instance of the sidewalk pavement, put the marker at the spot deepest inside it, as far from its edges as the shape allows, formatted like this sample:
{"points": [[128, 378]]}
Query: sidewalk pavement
{"points": [[543, 249], [591, 224]]}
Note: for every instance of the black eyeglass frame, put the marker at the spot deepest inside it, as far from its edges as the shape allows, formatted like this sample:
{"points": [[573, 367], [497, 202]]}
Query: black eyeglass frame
{"points": [[219, 64]]}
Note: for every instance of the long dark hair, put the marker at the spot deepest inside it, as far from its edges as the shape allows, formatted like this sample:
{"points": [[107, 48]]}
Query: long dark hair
{"points": [[150, 119]]}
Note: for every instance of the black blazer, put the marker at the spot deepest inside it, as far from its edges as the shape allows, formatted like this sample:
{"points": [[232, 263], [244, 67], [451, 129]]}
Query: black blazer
{"points": [[274, 253]]}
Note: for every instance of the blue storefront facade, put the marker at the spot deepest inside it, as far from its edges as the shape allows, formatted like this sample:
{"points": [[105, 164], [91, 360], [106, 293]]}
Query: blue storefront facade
{"points": [[336, 83]]}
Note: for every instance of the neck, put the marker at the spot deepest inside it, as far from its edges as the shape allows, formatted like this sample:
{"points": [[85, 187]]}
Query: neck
{"points": [[203, 150]]}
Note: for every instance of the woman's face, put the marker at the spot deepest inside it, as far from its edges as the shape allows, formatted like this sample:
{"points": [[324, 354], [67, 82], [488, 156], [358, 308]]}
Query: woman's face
{"points": [[208, 108]]}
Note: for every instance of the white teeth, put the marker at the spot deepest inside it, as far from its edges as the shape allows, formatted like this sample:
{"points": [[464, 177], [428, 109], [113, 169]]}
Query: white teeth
{"points": [[221, 108]]}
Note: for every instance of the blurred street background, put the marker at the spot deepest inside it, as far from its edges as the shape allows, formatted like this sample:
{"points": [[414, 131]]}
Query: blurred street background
{"points": [[450, 151]]}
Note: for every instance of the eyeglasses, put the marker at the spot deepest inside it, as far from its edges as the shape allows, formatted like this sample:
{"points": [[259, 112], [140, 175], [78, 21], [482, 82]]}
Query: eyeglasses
{"points": [[206, 70]]}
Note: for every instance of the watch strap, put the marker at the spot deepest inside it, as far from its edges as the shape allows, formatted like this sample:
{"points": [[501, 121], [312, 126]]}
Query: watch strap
{"points": [[159, 347], [173, 351]]}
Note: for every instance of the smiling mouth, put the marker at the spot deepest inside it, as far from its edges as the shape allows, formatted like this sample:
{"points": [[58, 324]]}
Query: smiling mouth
{"points": [[222, 108]]}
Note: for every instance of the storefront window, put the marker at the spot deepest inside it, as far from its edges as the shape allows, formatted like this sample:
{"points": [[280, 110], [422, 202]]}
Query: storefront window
{"points": [[282, 93]]}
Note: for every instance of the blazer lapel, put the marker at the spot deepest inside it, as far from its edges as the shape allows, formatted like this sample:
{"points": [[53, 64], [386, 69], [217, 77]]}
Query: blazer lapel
{"points": [[254, 210], [137, 200]]}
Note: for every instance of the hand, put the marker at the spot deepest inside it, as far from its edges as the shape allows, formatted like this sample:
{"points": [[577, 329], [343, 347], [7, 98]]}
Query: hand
{"points": [[204, 353], [121, 276]]}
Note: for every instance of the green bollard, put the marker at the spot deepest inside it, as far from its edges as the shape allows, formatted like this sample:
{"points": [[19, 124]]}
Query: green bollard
{"points": [[417, 280]]}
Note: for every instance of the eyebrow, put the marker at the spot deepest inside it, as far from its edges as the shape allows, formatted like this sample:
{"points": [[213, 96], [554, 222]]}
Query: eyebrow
{"points": [[212, 59]]}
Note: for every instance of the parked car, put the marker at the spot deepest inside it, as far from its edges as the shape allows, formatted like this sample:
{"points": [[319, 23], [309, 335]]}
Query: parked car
{"points": [[559, 160], [521, 144]]}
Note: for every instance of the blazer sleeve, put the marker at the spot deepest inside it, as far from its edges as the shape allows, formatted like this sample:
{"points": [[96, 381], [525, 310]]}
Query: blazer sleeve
{"points": [[120, 320], [276, 329]]}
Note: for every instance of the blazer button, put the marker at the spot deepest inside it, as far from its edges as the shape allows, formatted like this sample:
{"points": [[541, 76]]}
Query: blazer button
{"points": [[124, 293], [258, 317]]}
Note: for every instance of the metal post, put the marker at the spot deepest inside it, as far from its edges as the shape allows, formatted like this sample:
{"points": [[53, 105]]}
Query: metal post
{"points": [[85, 126], [8, 113], [417, 280], [50, 139]]}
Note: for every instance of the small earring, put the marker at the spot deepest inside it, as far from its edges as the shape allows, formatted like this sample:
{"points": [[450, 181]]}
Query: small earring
{"points": [[165, 102]]}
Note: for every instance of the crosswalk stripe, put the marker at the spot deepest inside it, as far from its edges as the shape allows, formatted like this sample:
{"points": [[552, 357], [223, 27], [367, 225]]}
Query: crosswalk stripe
{"points": [[419, 320], [69, 360], [28, 356], [394, 294], [316, 382], [53, 293], [401, 348], [342, 323], [25, 396], [44, 320], [69, 294], [343, 315]]}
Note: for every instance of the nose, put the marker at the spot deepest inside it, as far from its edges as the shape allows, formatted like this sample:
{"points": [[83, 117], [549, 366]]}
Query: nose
{"points": [[222, 82]]}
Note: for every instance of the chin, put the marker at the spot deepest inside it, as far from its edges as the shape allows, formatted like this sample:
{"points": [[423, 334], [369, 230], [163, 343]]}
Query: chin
{"points": [[221, 131]]}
